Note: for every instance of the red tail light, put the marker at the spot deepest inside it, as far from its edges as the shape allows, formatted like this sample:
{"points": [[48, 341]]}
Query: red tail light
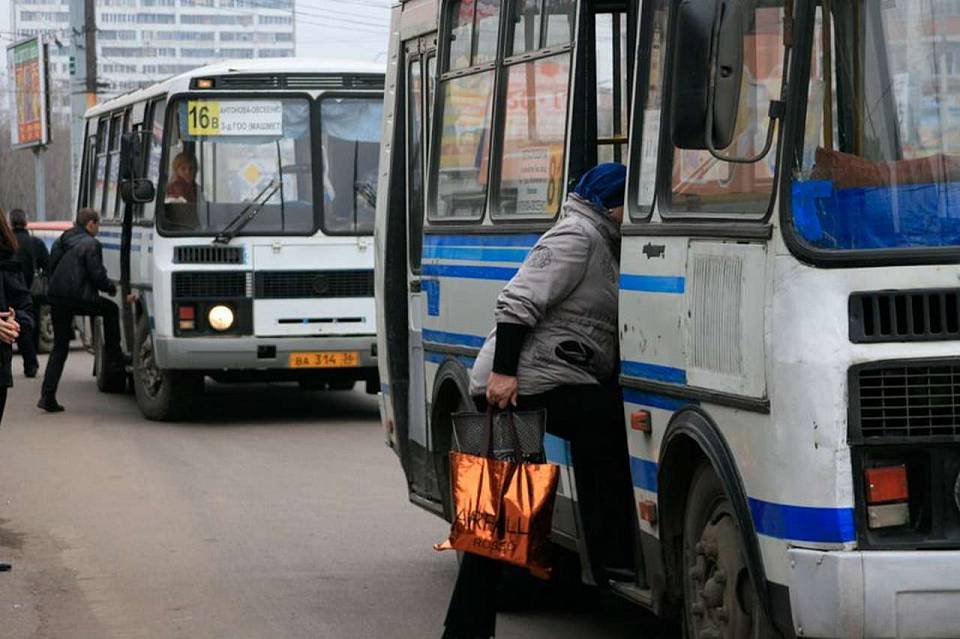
{"points": [[186, 312], [887, 496]]}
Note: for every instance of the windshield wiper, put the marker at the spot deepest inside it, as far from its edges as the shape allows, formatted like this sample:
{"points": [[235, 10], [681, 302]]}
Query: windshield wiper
{"points": [[246, 216]]}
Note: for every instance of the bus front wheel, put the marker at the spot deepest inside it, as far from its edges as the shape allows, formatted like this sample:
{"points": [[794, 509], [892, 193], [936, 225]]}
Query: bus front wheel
{"points": [[162, 395], [719, 597]]}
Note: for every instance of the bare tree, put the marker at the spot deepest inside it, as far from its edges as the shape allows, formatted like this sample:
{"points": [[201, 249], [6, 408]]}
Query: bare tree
{"points": [[17, 180]]}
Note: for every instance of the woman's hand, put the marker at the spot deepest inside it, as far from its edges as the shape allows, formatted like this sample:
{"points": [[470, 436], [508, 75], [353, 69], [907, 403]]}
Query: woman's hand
{"points": [[502, 390], [9, 327]]}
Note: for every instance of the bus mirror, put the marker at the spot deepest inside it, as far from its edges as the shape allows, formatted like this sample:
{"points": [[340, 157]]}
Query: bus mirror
{"points": [[137, 191], [708, 68]]}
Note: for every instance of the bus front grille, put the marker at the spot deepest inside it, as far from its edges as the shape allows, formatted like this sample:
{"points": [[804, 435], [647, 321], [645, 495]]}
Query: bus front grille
{"points": [[905, 316], [322, 284], [900, 400], [210, 285], [208, 254]]}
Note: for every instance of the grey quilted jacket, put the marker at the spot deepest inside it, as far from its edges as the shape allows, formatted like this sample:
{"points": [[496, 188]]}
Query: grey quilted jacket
{"points": [[566, 292]]}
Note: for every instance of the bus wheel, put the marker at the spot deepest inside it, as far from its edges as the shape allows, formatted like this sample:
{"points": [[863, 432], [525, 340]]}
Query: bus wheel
{"points": [[108, 381], [162, 395], [719, 598]]}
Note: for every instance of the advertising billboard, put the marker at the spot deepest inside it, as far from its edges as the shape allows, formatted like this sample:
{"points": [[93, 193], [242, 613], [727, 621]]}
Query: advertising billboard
{"points": [[27, 62]]}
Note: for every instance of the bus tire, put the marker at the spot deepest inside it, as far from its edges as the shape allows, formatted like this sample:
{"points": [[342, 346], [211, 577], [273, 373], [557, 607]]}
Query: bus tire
{"points": [[719, 598], [108, 381], [162, 395]]}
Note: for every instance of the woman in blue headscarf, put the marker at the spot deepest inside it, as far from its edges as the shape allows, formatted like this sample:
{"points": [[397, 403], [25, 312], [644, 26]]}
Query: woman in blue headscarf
{"points": [[555, 346]]}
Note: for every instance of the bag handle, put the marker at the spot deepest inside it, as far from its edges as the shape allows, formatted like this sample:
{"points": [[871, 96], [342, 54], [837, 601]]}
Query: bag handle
{"points": [[487, 438]]}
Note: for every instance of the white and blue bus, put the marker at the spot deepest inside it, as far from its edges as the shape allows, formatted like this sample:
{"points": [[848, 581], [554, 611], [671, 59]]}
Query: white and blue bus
{"points": [[237, 205], [789, 285]]}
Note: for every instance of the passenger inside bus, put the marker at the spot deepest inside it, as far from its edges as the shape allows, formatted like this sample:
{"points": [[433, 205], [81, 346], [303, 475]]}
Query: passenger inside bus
{"points": [[555, 347], [183, 190]]}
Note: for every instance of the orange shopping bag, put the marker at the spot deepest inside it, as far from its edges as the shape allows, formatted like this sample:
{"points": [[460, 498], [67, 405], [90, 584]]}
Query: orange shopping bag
{"points": [[503, 509]]}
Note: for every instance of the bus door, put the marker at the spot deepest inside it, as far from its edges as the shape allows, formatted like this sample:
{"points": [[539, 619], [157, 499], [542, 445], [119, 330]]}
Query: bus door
{"points": [[420, 60]]}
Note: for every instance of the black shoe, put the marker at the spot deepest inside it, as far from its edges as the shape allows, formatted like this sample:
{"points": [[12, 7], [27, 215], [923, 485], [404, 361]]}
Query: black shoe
{"points": [[50, 405], [30, 373], [5, 567]]}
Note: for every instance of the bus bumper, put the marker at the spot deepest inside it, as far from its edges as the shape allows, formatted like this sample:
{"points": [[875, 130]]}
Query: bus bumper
{"points": [[256, 353], [896, 594]]}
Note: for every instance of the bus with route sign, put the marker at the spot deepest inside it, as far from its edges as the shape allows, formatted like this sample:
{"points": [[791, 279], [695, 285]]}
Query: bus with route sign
{"points": [[237, 204]]}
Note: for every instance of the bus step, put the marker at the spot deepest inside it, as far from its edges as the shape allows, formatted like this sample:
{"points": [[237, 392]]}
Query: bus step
{"points": [[632, 592]]}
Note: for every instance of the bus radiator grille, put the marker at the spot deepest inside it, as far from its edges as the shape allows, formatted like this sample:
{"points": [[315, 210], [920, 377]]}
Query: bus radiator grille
{"points": [[905, 400], [210, 285], [208, 254], [304, 284], [905, 316]]}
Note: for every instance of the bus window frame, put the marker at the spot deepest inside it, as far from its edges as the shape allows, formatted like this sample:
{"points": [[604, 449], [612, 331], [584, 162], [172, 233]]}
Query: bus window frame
{"points": [[170, 113], [153, 106], [83, 186], [318, 161], [663, 197], [436, 126], [416, 60], [793, 131], [641, 90], [100, 150]]}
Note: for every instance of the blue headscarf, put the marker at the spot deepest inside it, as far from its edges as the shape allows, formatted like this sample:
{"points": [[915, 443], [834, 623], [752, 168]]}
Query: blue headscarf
{"points": [[603, 185]]}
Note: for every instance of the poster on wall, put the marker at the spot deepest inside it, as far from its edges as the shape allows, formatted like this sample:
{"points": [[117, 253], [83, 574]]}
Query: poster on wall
{"points": [[28, 70]]}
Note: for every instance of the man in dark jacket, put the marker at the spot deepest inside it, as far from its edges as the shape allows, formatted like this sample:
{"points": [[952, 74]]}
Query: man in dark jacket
{"points": [[33, 257], [77, 276]]}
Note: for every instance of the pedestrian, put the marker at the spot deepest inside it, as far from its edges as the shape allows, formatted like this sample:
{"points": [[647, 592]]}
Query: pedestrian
{"points": [[17, 314], [15, 299], [77, 276], [555, 346], [33, 257]]}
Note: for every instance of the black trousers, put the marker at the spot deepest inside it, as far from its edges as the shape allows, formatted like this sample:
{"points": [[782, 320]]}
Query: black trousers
{"points": [[590, 417], [62, 315], [27, 344], [3, 400]]}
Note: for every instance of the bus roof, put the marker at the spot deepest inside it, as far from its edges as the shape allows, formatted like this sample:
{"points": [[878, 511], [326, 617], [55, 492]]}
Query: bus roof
{"points": [[227, 67]]}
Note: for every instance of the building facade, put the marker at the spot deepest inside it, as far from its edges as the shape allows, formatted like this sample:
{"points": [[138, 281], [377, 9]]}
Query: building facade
{"points": [[142, 41]]}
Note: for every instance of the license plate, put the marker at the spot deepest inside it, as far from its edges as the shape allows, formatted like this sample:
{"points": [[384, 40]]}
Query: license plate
{"points": [[324, 359]]}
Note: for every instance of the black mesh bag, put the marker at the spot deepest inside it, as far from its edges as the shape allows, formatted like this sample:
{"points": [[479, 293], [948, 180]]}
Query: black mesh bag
{"points": [[505, 435]]}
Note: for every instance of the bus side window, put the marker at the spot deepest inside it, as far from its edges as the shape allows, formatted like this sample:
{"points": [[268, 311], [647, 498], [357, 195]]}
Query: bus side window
{"points": [[415, 160], [535, 121], [153, 140], [612, 93], [458, 177], [703, 184], [113, 167], [83, 193], [100, 174], [651, 60]]}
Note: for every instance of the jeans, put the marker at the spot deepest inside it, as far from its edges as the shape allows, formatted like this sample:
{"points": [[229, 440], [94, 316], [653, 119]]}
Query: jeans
{"points": [[62, 315], [590, 417]]}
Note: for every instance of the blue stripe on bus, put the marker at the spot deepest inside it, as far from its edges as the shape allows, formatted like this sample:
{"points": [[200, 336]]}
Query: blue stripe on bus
{"points": [[652, 283], [469, 272], [525, 240], [655, 401], [116, 247], [557, 450], [440, 358], [453, 339], [475, 253], [644, 473], [802, 523], [657, 372]]}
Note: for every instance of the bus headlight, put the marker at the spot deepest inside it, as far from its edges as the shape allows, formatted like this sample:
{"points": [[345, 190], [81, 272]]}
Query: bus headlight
{"points": [[220, 317]]}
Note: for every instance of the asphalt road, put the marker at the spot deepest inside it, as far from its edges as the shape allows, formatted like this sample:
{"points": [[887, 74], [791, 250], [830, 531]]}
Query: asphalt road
{"points": [[273, 514]]}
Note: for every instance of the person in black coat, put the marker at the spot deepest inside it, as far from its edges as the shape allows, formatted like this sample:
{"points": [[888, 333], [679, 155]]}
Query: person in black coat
{"points": [[77, 276], [33, 257], [16, 313]]}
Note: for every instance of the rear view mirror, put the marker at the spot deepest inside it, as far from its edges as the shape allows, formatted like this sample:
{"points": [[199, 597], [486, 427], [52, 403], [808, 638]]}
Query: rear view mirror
{"points": [[137, 191], [708, 69], [134, 189]]}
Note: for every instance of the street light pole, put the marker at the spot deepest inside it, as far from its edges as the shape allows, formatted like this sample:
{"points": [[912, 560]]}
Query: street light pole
{"points": [[83, 78]]}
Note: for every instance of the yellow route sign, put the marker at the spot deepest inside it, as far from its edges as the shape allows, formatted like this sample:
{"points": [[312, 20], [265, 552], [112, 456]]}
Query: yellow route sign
{"points": [[203, 117], [234, 117]]}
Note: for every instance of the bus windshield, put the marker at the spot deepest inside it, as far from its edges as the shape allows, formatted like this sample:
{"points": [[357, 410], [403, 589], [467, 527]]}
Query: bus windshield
{"points": [[879, 163], [350, 138], [222, 153]]}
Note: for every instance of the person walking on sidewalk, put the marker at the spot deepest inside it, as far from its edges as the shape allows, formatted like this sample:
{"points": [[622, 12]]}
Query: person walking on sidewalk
{"points": [[77, 276], [33, 257]]}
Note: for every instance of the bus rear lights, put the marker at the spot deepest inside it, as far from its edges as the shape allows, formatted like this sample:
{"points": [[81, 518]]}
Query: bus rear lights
{"points": [[220, 317], [187, 316], [887, 496]]}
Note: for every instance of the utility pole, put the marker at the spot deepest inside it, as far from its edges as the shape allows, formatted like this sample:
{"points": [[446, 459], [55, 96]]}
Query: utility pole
{"points": [[83, 78]]}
